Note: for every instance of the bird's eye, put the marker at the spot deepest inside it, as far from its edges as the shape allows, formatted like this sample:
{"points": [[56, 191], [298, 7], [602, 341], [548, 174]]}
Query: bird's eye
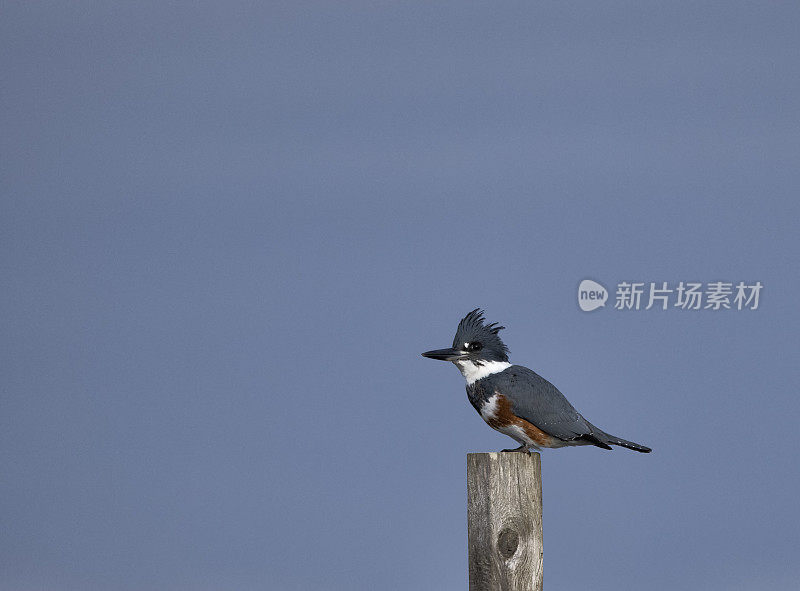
{"points": [[476, 346]]}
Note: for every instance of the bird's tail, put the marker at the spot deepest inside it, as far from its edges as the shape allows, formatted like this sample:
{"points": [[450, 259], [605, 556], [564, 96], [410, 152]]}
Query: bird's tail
{"points": [[613, 440]]}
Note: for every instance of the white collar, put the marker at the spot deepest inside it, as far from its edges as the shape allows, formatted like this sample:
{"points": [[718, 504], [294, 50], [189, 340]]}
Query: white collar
{"points": [[473, 372]]}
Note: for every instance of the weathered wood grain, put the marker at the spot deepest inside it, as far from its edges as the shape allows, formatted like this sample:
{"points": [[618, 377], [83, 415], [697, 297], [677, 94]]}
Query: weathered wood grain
{"points": [[504, 521]]}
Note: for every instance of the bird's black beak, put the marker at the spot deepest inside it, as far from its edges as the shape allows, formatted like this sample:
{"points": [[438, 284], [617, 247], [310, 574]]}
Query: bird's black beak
{"points": [[443, 354]]}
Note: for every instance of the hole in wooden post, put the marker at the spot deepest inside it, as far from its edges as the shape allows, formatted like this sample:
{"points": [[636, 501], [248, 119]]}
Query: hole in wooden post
{"points": [[507, 542]]}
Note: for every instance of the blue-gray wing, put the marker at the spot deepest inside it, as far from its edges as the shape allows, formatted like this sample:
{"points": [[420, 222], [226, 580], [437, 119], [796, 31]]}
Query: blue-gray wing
{"points": [[538, 401]]}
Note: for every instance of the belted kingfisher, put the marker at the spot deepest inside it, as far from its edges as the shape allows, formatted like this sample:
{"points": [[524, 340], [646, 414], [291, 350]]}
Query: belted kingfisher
{"points": [[515, 400]]}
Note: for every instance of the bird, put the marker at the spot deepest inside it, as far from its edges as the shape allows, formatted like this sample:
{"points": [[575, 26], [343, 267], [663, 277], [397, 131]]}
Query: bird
{"points": [[515, 400]]}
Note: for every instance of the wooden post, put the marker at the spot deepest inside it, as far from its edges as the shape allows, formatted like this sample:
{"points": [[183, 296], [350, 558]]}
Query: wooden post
{"points": [[504, 521]]}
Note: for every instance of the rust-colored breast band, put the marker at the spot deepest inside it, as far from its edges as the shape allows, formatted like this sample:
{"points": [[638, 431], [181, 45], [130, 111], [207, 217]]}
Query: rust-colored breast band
{"points": [[505, 417]]}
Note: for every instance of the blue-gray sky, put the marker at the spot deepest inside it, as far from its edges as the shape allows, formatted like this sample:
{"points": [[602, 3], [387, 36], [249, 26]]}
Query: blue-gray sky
{"points": [[229, 229]]}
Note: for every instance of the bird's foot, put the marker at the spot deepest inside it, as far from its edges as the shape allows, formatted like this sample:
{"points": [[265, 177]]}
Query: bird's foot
{"points": [[521, 449]]}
